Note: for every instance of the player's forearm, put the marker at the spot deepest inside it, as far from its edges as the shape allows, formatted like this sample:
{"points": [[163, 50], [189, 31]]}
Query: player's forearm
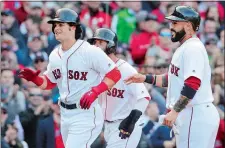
{"points": [[110, 83], [188, 92], [181, 103], [46, 84], [112, 77], [157, 80], [142, 104]]}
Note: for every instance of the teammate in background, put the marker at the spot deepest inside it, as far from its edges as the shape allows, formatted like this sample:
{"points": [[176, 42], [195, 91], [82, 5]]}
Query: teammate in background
{"points": [[74, 68], [122, 105], [189, 95]]}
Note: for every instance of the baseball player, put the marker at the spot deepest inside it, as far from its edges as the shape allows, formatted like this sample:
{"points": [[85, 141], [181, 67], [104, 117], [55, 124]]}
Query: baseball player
{"points": [[122, 105], [189, 96], [75, 67]]}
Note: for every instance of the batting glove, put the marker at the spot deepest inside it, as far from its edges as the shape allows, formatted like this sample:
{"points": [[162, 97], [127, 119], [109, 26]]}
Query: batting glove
{"points": [[31, 75], [126, 127], [87, 99]]}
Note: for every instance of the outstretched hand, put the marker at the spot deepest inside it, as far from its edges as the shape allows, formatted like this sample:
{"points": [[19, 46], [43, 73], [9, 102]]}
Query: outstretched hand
{"points": [[29, 74], [137, 78]]}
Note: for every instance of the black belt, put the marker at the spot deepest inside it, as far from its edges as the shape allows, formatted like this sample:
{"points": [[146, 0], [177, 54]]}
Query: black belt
{"points": [[68, 106]]}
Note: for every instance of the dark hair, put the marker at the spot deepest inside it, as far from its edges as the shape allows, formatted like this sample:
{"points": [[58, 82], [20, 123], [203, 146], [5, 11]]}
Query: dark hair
{"points": [[209, 19], [207, 12], [79, 31]]}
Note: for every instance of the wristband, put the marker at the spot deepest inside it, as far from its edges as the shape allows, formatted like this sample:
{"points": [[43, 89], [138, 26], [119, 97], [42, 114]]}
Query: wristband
{"points": [[100, 88], [150, 79]]}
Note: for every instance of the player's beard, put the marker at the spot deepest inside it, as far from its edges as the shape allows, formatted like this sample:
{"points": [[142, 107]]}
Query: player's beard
{"points": [[178, 35], [106, 50]]}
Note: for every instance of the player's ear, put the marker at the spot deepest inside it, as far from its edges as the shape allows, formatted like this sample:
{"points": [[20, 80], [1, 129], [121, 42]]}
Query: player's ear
{"points": [[187, 27], [72, 27]]}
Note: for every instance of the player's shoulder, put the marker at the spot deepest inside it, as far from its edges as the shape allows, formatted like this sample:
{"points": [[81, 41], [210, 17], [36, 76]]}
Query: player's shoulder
{"points": [[194, 42], [87, 47], [125, 68], [194, 46], [55, 52]]}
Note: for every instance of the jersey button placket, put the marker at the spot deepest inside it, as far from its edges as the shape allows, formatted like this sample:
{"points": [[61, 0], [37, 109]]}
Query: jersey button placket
{"points": [[65, 78]]}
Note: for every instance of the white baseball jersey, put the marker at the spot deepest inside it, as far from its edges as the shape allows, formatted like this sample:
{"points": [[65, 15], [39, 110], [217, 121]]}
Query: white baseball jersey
{"points": [[118, 102], [190, 59], [77, 70]]}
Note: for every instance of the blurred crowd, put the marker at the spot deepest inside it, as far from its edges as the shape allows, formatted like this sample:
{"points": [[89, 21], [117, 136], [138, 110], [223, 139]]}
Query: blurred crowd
{"points": [[30, 117]]}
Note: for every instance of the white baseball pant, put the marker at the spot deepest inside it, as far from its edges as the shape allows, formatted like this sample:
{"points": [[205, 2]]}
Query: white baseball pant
{"points": [[197, 126], [81, 127], [111, 134]]}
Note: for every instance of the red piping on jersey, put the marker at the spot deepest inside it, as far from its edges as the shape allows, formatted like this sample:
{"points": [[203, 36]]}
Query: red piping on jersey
{"points": [[117, 61], [67, 71], [189, 131], [121, 64], [92, 129], [106, 105], [127, 142], [58, 53]]}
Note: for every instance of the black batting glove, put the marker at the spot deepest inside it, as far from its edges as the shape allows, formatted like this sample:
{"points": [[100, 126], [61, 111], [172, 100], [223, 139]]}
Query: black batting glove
{"points": [[126, 127]]}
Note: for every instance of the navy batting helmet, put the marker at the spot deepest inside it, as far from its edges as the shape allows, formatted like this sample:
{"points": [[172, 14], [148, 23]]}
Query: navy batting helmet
{"points": [[186, 13], [106, 35], [66, 15]]}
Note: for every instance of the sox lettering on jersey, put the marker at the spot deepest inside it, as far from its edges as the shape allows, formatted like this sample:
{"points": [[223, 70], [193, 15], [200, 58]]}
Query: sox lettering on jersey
{"points": [[78, 75], [56, 73], [174, 70], [72, 74], [114, 92]]}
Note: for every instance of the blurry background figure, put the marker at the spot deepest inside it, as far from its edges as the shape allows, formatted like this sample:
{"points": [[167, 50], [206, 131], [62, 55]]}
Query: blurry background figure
{"points": [[11, 96], [94, 17], [11, 137], [40, 61], [144, 41], [38, 108], [156, 135], [49, 41], [144, 36], [124, 23], [48, 129], [209, 29], [4, 117], [36, 8], [221, 43]]}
